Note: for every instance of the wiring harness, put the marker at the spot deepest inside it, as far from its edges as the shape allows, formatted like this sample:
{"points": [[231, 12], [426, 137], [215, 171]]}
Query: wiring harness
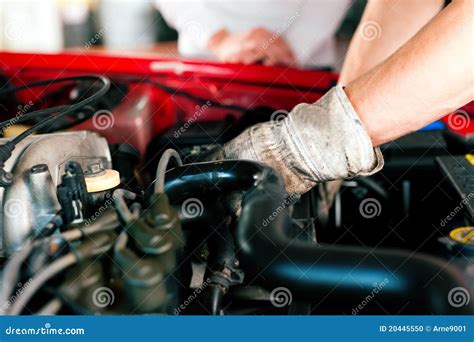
{"points": [[61, 111]]}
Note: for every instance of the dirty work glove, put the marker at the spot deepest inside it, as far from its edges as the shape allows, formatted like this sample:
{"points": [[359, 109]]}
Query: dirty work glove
{"points": [[315, 143]]}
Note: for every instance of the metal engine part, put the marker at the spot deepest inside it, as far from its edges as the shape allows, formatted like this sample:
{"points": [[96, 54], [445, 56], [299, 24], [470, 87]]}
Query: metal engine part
{"points": [[37, 164]]}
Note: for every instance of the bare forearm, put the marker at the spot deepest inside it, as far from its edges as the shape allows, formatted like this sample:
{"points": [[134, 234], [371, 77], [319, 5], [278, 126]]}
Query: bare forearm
{"points": [[385, 26], [430, 76]]}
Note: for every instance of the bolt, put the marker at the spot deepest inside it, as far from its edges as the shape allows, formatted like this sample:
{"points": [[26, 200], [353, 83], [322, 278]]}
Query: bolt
{"points": [[39, 168], [6, 178]]}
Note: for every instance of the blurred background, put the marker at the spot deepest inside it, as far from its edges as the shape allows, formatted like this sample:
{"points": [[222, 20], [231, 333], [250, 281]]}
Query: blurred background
{"points": [[118, 26]]}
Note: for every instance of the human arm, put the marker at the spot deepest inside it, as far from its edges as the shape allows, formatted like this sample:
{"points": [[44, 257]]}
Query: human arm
{"points": [[337, 137], [384, 27], [427, 78]]}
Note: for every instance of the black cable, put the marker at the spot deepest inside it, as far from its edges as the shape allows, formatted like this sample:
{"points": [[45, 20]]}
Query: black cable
{"points": [[65, 110], [165, 88], [106, 85], [61, 111], [49, 82], [28, 116], [174, 91], [7, 148]]}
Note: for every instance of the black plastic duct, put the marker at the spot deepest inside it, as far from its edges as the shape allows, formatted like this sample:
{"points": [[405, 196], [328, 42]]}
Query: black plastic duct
{"points": [[314, 273]]}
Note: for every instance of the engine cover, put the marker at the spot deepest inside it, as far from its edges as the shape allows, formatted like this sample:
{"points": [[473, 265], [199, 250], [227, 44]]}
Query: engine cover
{"points": [[37, 164]]}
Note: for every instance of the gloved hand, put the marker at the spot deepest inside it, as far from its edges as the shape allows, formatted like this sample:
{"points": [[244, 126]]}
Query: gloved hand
{"points": [[315, 143]]}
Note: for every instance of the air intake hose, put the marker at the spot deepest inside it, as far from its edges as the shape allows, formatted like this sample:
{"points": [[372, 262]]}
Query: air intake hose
{"points": [[316, 273]]}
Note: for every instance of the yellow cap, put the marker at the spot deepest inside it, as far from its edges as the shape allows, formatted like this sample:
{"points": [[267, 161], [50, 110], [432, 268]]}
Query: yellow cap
{"points": [[470, 158], [463, 235], [105, 181]]}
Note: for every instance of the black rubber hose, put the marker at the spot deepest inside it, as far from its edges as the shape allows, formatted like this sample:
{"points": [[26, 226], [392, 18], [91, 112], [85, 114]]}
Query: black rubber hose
{"points": [[316, 273]]}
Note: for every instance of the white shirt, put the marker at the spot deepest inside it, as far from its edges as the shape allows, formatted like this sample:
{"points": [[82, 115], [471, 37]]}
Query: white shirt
{"points": [[308, 26]]}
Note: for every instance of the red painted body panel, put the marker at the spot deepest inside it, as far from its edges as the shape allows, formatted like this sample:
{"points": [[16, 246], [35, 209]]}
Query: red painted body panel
{"points": [[462, 123], [248, 86]]}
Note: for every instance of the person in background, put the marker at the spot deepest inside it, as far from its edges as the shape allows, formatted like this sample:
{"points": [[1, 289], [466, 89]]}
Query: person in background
{"points": [[271, 32]]}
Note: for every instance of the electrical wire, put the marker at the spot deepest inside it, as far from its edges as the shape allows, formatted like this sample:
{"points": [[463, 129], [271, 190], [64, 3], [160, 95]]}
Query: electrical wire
{"points": [[15, 263], [7, 148], [65, 110], [370, 183], [135, 209], [182, 93], [40, 279], [124, 212], [14, 89], [185, 94], [62, 113], [163, 166], [11, 270], [108, 221], [121, 242], [68, 109], [92, 248], [29, 116], [50, 308]]}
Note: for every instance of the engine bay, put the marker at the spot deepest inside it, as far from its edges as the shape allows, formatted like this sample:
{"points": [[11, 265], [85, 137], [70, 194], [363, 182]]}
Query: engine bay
{"points": [[108, 208]]}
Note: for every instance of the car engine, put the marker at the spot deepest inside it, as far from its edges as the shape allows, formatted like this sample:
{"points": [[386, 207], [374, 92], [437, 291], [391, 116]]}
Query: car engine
{"points": [[108, 221]]}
